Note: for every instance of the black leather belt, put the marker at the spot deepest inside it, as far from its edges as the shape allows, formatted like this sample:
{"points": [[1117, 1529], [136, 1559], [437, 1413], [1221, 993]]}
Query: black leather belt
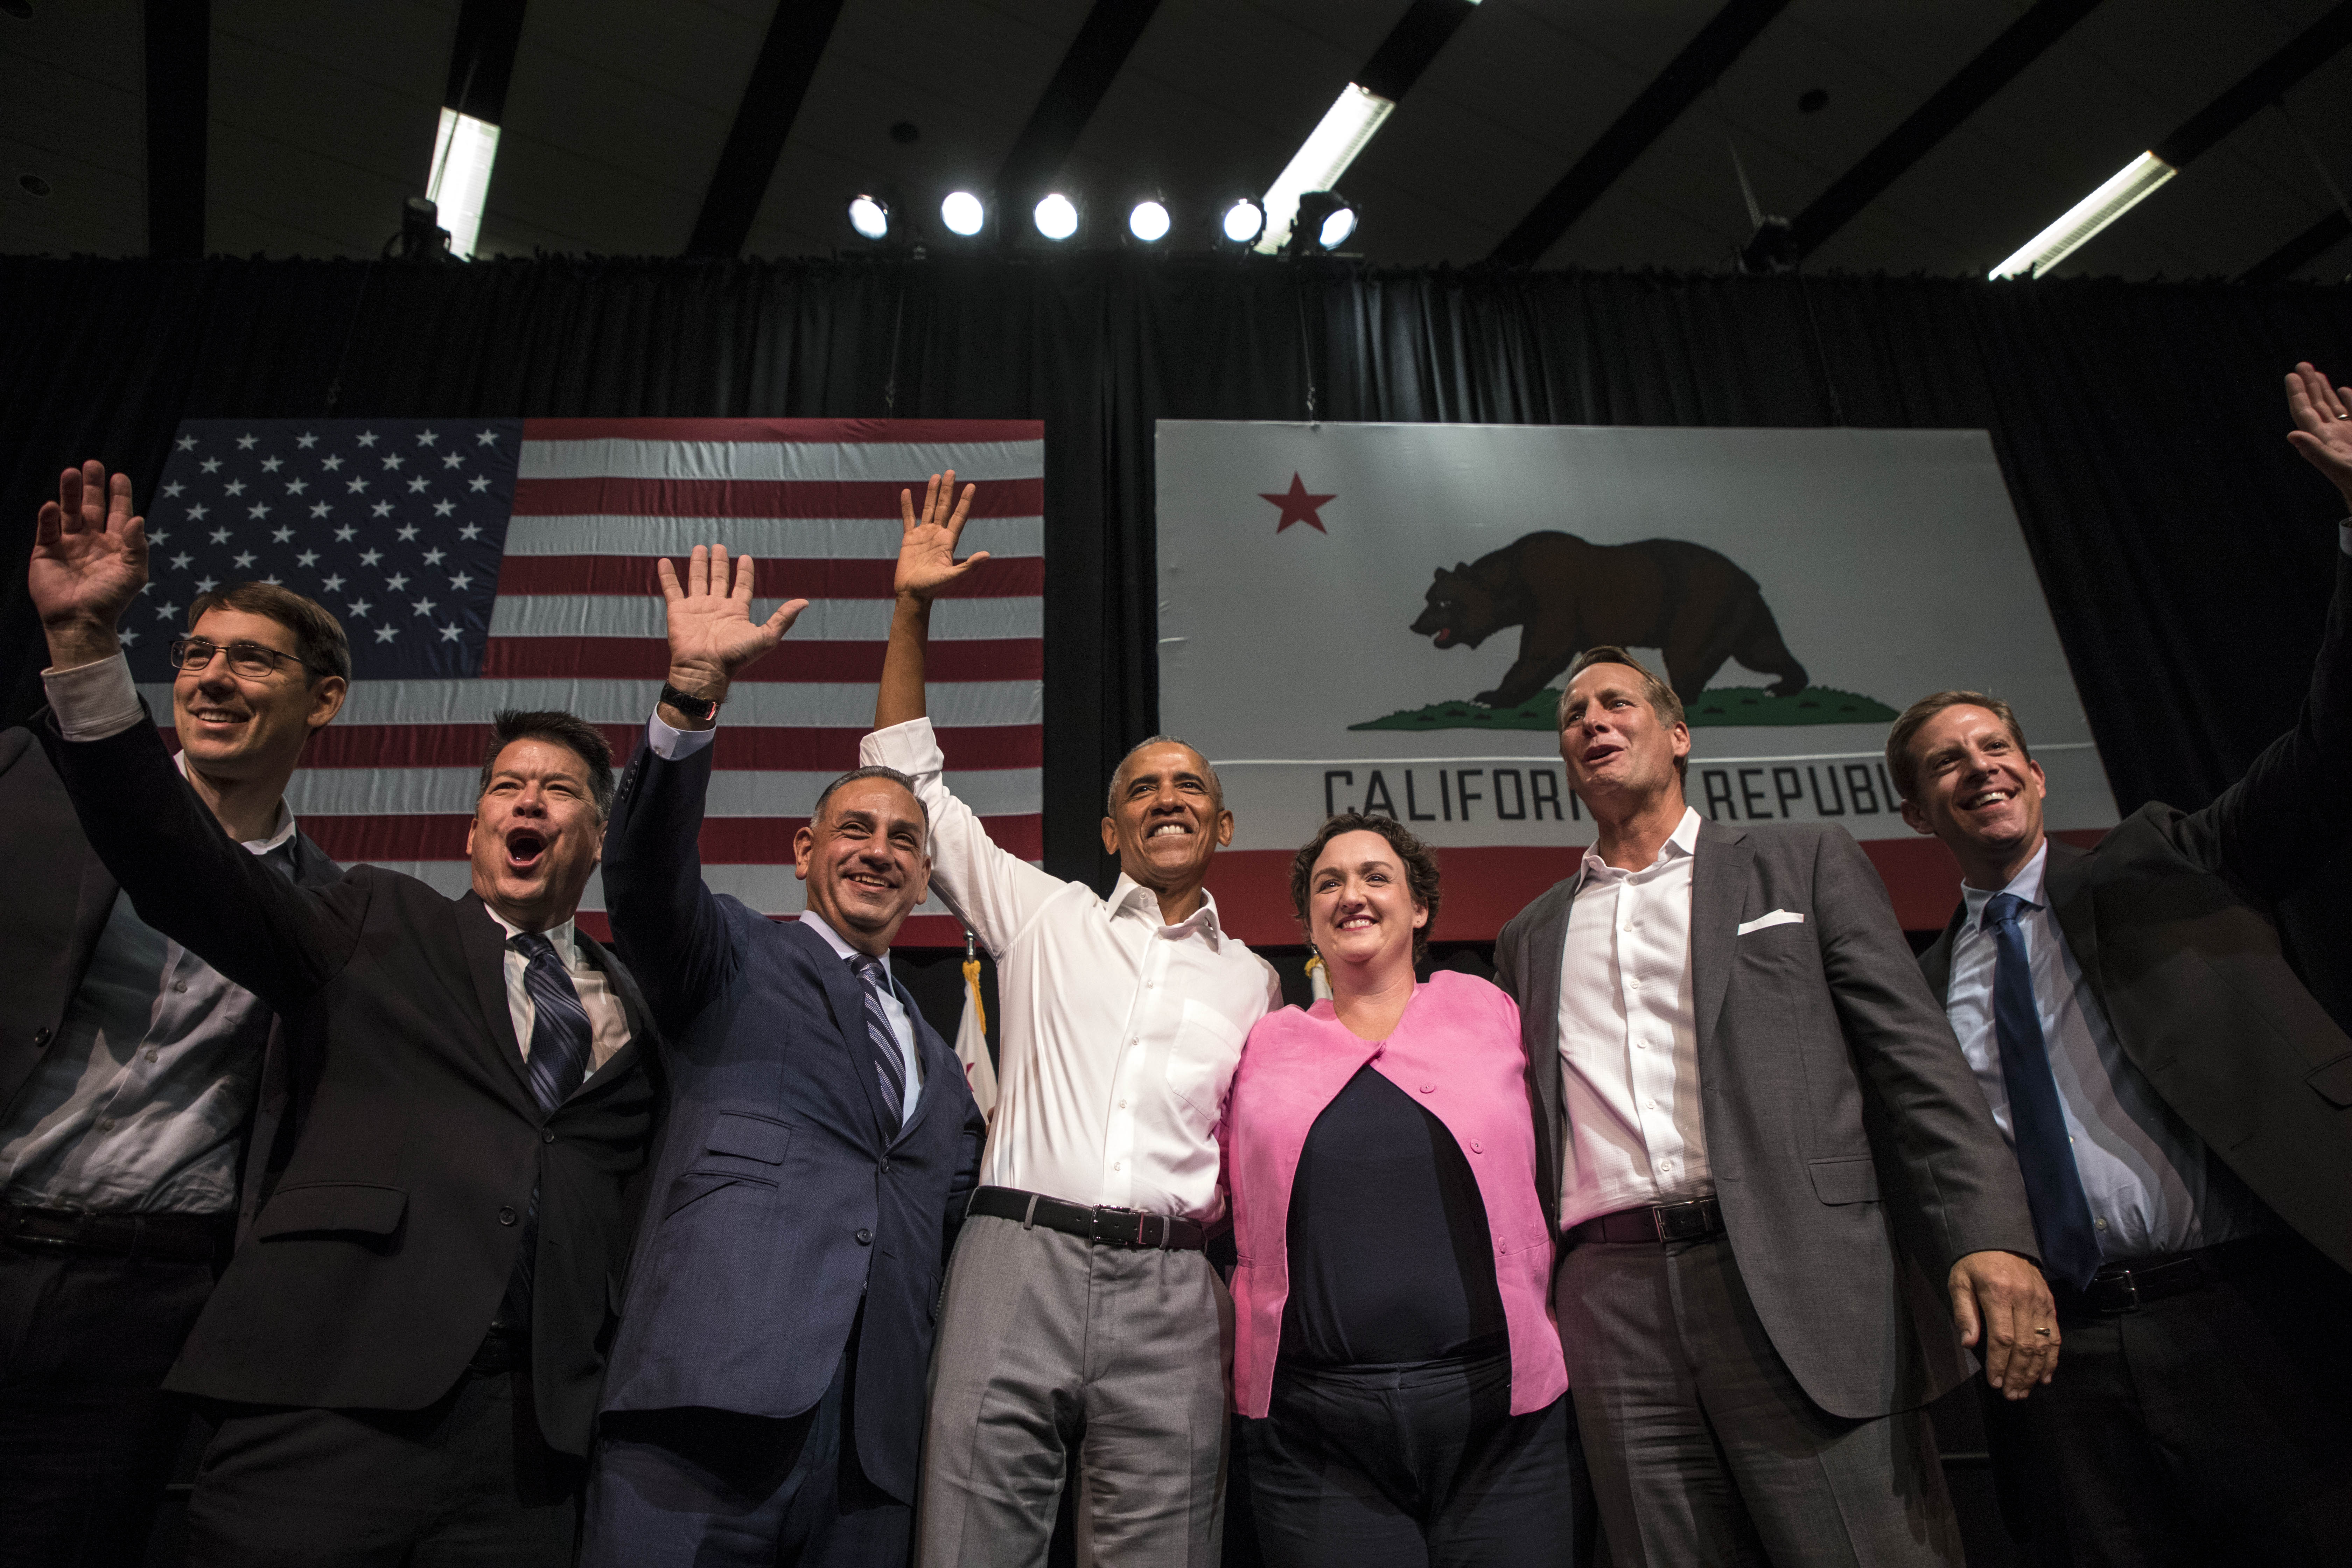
{"points": [[1103, 1226], [2120, 1289], [1693, 1221], [166, 1237]]}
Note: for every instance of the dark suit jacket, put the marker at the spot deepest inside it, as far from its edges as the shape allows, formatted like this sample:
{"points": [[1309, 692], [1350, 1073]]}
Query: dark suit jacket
{"points": [[785, 1191], [2171, 921], [379, 1260], [57, 897], [1824, 1069]]}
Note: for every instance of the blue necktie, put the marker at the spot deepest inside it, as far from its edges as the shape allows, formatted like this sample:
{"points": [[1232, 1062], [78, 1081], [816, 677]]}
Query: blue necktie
{"points": [[888, 1065], [2045, 1155], [561, 1038], [561, 1042]]}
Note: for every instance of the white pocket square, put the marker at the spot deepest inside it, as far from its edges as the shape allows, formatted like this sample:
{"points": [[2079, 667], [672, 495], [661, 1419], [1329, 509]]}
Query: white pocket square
{"points": [[1776, 918]]}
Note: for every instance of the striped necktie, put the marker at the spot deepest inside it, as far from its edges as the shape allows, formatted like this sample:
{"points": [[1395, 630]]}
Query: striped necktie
{"points": [[888, 1065], [560, 1038]]}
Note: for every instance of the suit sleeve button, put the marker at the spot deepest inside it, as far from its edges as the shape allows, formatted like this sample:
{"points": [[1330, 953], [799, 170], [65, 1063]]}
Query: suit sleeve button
{"points": [[865, 1237], [505, 1216]]}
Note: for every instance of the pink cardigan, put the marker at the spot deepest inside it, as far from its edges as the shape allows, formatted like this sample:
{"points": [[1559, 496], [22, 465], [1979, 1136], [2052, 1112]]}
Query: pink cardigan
{"points": [[1456, 1049]]}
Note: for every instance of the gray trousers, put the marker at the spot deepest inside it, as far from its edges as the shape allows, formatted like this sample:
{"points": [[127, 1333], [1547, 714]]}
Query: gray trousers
{"points": [[1049, 1344], [1704, 1451]]}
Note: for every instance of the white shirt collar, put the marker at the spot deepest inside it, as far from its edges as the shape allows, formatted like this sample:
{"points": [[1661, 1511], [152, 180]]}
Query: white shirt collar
{"points": [[1682, 840], [2026, 885], [824, 928], [1127, 891], [279, 833], [566, 948]]}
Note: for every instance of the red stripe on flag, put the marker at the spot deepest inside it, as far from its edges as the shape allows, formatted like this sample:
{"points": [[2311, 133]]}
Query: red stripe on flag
{"points": [[806, 578], [740, 747], [610, 496], [933, 432], [857, 663], [726, 840]]}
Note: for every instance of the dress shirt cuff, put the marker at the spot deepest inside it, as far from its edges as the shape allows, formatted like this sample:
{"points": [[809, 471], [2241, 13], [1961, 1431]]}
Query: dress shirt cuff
{"points": [[912, 748], [2344, 536], [673, 745], [92, 701]]}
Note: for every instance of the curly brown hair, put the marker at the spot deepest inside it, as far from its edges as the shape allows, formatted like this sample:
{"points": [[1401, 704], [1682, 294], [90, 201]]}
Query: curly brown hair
{"points": [[1420, 868]]}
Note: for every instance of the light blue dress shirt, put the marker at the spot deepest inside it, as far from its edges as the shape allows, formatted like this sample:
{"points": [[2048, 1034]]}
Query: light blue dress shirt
{"points": [[138, 1106], [2153, 1186]]}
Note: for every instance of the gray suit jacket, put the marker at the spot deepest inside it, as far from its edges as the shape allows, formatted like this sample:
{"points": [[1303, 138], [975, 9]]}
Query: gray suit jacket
{"points": [[1827, 1076]]}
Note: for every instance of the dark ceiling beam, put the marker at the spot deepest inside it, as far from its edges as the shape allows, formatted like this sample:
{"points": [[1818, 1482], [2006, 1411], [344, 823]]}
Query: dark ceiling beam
{"points": [[2301, 251], [179, 36], [2019, 45], [1093, 61], [1411, 45], [797, 35], [482, 57], [2259, 88], [1689, 74]]}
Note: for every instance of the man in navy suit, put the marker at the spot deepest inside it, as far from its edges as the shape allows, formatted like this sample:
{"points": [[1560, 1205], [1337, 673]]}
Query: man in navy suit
{"points": [[765, 1401]]}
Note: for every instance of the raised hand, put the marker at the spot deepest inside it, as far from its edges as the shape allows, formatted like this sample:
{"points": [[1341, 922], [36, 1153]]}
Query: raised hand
{"points": [[927, 562], [711, 632], [2322, 420], [89, 561]]}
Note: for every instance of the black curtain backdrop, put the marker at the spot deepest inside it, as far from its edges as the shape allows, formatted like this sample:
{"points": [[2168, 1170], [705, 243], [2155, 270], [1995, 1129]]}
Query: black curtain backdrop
{"points": [[2185, 551]]}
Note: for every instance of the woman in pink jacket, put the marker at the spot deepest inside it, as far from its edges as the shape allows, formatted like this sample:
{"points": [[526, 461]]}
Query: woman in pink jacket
{"points": [[1394, 1352]]}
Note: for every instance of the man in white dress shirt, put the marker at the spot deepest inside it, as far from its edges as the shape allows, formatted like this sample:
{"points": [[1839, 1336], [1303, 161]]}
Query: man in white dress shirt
{"points": [[1080, 1314], [1707, 1011], [2149, 1048]]}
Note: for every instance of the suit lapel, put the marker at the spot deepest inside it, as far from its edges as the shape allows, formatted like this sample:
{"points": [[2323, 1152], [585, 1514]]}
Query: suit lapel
{"points": [[1547, 944], [2066, 888], [846, 994], [939, 1065], [485, 942], [633, 1009], [1935, 963], [1718, 885]]}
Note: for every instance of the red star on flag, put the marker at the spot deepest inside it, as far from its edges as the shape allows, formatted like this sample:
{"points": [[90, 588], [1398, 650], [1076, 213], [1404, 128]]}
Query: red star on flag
{"points": [[1297, 506]]}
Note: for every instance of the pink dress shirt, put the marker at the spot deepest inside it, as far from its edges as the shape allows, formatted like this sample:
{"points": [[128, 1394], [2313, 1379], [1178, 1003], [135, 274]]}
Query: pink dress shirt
{"points": [[1457, 1050]]}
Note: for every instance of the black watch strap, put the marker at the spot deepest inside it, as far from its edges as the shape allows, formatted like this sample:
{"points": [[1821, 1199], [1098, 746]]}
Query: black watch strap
{"points": [[699, 709]]}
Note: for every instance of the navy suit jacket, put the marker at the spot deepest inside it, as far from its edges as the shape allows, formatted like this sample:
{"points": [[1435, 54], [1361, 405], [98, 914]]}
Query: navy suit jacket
{"points": [[785, 1193]]}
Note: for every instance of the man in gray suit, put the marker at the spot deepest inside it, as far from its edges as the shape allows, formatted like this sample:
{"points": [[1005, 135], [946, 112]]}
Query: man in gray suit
{"points": [[1730, 1050]]}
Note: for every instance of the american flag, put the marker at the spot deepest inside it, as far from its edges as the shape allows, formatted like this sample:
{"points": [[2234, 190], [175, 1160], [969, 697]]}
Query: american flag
{"points": [[485, 563]]}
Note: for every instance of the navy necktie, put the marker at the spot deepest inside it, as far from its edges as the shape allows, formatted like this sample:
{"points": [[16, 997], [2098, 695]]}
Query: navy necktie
{"points": [[2045, 1153], [560, 1044], [560, 1038], [888, 1065]]}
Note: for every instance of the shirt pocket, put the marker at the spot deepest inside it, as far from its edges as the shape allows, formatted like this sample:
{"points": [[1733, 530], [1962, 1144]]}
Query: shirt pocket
{"points": [[1200, 1062]]}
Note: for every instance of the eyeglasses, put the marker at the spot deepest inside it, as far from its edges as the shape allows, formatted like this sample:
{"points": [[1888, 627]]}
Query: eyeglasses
{"points": [[250, 659]]}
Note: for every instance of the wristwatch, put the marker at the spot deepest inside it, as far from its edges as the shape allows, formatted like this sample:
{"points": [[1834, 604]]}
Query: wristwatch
{"points": [[699, 709]]}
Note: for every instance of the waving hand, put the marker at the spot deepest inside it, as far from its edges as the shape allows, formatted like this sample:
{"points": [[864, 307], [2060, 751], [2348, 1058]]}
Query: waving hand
{"points": [[711, 632], [89, 561], [927, 562]]}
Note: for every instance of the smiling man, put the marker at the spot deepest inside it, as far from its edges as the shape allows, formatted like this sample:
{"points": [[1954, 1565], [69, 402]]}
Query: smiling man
{"points": [[765, 1404], [1707, 1011], [406, 1357], [130, 1071], [2175, 1097], [1080, 1314]]}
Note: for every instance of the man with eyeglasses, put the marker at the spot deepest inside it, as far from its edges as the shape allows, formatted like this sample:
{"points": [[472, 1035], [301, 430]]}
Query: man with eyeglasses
{"points": [[132, 1076]]}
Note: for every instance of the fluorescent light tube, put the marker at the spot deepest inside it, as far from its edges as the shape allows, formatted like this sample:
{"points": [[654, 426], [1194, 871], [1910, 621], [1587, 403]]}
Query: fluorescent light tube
{"points": [[463, 150], [2132, 185], [1321, 159]]}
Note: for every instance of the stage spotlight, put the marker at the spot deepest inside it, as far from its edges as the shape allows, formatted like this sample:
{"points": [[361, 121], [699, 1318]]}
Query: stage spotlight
{"points": [[1326, 221], [963, 214], [870, 216], [1056, 216], [1148, 221], [1243, 221]]}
